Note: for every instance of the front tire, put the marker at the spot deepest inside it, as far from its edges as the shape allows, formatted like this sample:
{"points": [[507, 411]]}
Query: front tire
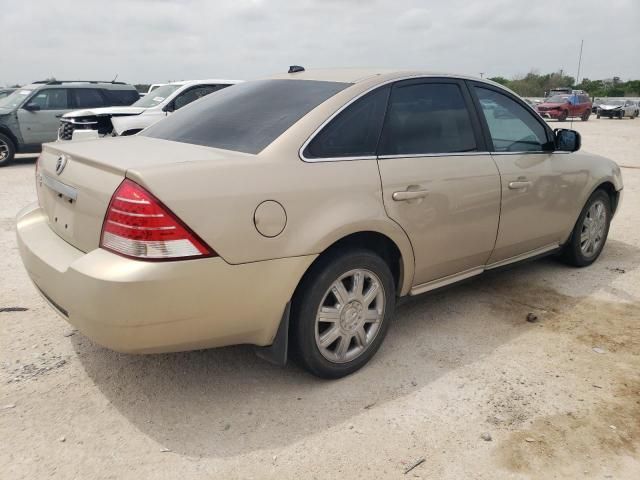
{"points": [[590, 232], [7, 150], [585, 116], [341, 312], [563, 116]]}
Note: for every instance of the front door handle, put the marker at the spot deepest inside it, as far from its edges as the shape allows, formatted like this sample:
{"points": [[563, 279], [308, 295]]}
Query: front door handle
{"points": [[520, 184], [407, 195]]}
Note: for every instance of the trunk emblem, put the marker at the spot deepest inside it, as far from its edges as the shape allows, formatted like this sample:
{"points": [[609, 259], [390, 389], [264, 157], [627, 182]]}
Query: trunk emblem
{"points": [[61, 163]]}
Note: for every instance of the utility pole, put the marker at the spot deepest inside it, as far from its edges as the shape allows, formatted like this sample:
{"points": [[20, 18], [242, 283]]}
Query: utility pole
{"points": [[481, 74]]}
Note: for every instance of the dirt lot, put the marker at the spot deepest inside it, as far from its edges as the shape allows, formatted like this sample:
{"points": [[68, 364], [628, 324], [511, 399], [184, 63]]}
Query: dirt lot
{"points": [[560, 398]]}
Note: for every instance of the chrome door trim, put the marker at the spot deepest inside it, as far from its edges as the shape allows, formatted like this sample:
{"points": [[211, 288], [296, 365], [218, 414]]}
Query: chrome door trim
{"points": [[59, 187], [420, 155], [442, 282], [524, 256]]}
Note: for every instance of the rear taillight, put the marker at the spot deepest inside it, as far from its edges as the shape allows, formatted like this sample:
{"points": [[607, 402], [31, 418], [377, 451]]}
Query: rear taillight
{"points": [[138, 225]]}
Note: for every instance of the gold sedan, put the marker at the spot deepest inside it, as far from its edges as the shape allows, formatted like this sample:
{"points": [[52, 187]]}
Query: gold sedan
{"points": [[290, 213]]}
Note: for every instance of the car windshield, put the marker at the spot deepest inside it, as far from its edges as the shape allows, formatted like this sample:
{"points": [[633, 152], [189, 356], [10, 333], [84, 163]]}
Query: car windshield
{"points": [[15, 99], [158, 96], [616, 103], [557, 99], [245, 117]]}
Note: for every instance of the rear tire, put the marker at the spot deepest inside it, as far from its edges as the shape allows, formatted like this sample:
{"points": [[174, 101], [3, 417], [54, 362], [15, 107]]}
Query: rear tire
{"points": [[7, 150], [341, 312], [590, 232]]}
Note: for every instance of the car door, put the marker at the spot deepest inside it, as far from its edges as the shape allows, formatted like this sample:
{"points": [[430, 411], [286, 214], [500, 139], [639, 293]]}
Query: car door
{"points": [[539, 187], [438, 180], [40, 124]]}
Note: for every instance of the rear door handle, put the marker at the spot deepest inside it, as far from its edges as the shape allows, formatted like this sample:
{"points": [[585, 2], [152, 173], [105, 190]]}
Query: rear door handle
{"points": [[407, 195], [520, 184]]}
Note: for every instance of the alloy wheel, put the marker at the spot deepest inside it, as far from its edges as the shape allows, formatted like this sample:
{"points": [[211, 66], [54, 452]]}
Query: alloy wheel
{"points": [[4, 150]]}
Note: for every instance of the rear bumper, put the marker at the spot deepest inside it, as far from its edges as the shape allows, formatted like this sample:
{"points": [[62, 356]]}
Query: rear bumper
{"points": [[143, 307]]}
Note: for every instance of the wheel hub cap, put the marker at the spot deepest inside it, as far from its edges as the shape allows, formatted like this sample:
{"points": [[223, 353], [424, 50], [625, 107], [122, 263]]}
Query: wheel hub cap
{"points": [[593, 229], [349, 316]]}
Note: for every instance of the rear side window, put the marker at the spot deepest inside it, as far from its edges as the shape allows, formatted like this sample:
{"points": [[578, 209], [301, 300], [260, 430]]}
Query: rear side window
{"points": [[87, 98], [427, 118], [353, 132], [512, 127], [51, 99], [245, 117], [121, 97], [195, 93]]}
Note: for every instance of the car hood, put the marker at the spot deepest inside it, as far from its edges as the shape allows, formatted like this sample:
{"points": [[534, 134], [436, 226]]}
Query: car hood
{"points": [[604, 106], [551, 105], [105, 111], [5, 111]]}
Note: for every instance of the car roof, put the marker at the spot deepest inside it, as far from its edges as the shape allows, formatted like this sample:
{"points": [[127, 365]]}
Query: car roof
{"points": [[357, 75], [211, 81], [79, 84]]}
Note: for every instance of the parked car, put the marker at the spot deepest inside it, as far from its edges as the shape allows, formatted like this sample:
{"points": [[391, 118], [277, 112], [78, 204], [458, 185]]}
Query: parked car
{"points": [[30, 115], [5, 92], [561, 107], [617, 109], [291, 213], [123, 121]]}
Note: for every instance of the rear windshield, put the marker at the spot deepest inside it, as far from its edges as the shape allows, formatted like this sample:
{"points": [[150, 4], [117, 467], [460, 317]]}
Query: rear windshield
{"points": [[245, 117]]}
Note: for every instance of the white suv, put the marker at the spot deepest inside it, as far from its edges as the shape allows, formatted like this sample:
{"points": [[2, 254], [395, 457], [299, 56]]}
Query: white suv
{"points": [[121, 121]]}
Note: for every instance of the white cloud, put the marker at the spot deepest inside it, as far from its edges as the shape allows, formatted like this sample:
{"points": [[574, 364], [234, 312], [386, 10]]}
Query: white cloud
{"points": [[148, 41]]}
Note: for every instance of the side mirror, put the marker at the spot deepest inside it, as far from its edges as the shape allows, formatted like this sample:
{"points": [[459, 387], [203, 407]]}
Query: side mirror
{"points": [[169, 107], [567, 140], [32, 107]]}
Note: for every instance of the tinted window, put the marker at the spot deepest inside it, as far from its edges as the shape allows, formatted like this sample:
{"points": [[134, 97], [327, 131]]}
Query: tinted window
{"points": [[511, 126], [355, 131], [427, 118], [185, 98], [87, 98], [121, 97], [245, 117], [53, 99]]}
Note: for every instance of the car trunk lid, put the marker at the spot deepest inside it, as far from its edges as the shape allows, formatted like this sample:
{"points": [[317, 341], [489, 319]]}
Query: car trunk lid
{"points": [[76, 180]]}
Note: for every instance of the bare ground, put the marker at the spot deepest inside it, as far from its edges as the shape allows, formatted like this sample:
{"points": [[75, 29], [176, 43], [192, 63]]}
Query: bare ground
{"points": [[559, 397]]}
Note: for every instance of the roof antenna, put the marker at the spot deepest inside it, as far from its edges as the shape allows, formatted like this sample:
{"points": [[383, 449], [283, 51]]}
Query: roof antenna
{"points": [[295, 69], [578, 75], [114, 78]]}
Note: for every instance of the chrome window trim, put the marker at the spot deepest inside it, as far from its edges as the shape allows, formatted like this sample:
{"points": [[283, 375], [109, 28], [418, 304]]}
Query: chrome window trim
{"points": [[420, 155]]}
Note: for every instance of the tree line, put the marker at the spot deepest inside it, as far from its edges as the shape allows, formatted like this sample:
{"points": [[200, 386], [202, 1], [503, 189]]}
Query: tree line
{"points": [[536, 85]]}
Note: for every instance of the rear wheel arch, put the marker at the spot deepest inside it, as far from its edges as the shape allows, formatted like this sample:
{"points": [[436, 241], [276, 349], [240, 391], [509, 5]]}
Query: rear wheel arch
{"points": [[376, 242]]}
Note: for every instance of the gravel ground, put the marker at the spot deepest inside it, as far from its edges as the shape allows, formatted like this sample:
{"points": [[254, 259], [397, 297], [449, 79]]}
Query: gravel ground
{"points": [[463, 381]]}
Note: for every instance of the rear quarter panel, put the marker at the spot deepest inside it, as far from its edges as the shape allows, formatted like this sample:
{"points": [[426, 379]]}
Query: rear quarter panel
{"points": [[323, 201]]}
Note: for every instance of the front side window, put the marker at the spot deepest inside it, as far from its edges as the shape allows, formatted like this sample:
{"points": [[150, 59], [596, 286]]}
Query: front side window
{"points": [[246, 117], [87, 98], [427, 118], [51, 99], [355, 131], [511, 126]]}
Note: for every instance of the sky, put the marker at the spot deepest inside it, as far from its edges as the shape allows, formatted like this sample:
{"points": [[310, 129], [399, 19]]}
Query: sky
{"points": [[149, 41]]}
